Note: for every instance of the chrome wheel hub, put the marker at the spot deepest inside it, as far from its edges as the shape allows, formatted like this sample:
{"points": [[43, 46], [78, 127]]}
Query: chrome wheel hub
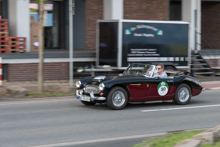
{"points": [[118, 98], [183, 94]]}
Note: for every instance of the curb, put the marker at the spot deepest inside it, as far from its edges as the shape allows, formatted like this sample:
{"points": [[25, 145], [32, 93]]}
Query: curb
{"points": [[207, 137], [216, 88]]}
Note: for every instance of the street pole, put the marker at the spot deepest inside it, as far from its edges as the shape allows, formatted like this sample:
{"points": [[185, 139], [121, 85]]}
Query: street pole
{"points": [[71, 13], [41, 47]]}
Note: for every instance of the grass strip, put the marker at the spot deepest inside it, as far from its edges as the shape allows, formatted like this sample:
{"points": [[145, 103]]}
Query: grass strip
{"points": [[147, 142], [37, 94], [169, 140]]}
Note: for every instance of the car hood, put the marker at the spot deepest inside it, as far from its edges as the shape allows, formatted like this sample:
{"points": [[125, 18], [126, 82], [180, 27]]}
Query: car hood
{"points": [[99, 79]]}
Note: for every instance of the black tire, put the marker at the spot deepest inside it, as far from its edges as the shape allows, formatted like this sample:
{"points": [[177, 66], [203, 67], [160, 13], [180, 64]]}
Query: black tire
{"points": [[171, 68], [122, 95], [88, 103], [186, 94]]}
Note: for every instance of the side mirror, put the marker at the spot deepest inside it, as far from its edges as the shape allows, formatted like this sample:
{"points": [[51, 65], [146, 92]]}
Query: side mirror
{"points": [[80, 69]]}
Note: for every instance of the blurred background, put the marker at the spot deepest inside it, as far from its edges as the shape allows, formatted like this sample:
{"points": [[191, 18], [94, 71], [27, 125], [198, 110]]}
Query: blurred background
{"points": [[91, 39]]}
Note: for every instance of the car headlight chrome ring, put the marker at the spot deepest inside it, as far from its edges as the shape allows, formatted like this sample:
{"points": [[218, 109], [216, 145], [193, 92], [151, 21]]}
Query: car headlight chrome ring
{"points": [[78, 84], [200, 84], [101, 86]]}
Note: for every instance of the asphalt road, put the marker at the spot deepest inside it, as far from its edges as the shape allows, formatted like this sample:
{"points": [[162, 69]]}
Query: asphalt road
{"points": [[67, 122]]}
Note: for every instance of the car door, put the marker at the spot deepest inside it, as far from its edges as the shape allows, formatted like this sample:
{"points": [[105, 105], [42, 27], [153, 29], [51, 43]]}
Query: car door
{"points": [[161, 88], [139, 91]]}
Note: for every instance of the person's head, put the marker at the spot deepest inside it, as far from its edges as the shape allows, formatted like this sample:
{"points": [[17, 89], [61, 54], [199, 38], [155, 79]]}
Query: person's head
{"points": [[160, 68]]}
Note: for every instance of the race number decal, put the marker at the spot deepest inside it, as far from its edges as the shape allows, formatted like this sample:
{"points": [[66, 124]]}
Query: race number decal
{"points": [[163, 88]]}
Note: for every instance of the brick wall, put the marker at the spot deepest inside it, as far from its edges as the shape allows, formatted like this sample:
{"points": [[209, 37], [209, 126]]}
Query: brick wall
{"points": [[146, 9], [0, 8], [94, 11], [29, 71], [210, 25]]}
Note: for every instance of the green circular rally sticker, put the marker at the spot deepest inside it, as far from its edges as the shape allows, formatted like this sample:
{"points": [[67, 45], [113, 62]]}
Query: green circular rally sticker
{"points": [[163, 88]]}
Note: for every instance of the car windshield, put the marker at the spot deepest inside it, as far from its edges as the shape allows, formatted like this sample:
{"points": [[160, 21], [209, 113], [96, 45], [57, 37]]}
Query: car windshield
{"points": [[137, 69], [150, 71]]}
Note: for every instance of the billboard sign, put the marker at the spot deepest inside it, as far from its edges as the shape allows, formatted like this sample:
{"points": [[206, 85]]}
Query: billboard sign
{"points": [[151, 42]]}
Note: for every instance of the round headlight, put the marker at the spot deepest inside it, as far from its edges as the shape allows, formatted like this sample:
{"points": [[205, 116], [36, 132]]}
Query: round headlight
{"points": [[78, 84], [101, 86]]}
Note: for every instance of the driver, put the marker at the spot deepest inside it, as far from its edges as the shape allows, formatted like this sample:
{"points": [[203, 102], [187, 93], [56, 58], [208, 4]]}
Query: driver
{"points": [[160, 71]]}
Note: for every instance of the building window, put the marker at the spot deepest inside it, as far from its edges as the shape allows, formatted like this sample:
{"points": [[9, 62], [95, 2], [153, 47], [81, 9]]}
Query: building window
{"points": [[175, 10], [51, 22]]}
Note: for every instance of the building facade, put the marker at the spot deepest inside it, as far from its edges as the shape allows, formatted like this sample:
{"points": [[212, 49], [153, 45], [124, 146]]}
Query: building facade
{"points": [[201, 14]]}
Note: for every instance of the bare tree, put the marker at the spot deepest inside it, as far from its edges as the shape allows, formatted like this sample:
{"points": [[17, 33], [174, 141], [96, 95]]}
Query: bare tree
{"points": [[41, 46]]}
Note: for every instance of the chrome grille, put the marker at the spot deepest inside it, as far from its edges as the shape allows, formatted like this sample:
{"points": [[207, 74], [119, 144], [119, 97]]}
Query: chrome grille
{"points": [[89, 89]]}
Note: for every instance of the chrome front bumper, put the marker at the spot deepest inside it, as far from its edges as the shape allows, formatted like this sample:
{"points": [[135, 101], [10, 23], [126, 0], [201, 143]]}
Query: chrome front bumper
{"points": [[203, 89], [92, 96]]}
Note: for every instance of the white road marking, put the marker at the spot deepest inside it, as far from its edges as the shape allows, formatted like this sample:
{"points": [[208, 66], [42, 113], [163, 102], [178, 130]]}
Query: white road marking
{"points": [[101, 140], [195, 107]]}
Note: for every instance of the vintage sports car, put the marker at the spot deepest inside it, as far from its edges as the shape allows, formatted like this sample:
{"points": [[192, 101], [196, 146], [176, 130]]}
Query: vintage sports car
{"points": [[138, 83]]}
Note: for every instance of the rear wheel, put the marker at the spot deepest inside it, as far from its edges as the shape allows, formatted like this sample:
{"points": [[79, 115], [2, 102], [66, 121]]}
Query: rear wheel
{"points": [[88, 103], [117, 98], [182, 94]]}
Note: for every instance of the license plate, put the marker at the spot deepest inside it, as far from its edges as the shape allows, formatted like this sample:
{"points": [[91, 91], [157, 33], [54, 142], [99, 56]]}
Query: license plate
{"points": [[85, 98]]}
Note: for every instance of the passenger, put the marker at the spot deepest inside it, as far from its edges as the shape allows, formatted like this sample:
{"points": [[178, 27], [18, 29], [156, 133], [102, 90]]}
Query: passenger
{"points": [[160, 71]]}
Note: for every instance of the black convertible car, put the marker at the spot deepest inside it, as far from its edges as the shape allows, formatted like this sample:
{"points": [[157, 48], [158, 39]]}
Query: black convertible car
{"points": [[138, 83]]}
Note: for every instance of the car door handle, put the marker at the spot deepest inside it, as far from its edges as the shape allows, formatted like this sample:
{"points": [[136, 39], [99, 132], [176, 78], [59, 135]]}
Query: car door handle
{"points": [[136, 84]]}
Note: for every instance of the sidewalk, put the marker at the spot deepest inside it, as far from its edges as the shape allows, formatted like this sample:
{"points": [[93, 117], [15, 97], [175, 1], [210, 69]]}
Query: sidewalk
{"points": [[33, 85], [210, 83]]}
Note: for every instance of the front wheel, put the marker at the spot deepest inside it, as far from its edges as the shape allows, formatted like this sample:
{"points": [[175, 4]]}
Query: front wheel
{"points": [[182, 94], [117, 98]]}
